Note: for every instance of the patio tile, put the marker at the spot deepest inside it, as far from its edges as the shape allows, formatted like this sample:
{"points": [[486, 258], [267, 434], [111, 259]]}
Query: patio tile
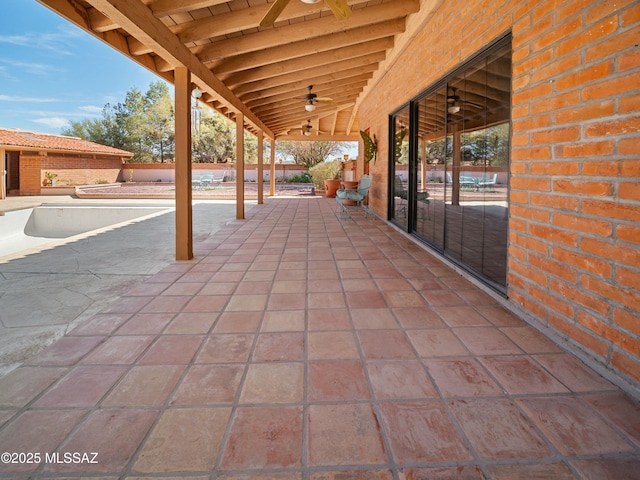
{"points": [[385, 344], [191, 323], [247, 288], [219, 288], [101, 324], [400, 380], [325, 300], [259, 276], [289, 286], [608, 468], [273, 383], [172, 349], [520, 375], [436, 343], [573, 373], [530, 340], [418, 318], [82, 387], [329, 319], [344, 435], [287, 301], [145, 324], [402, 298], [96, 434], [500, 316], [373, 318], [336, 380], [620, 410], [36, 431], [359, 285], [147, 288], [283, 321], [171, 446], [512, 435], [442, 298], [422, 432], [166, 304], [555, 471], [467, 472], [183, 288], [264, 437], [238, 322], [206, 303], [486, 341], [22, 385], [332, 345], [353, 475], [119, 350], [573, 427], [225, 348], [66, 351], [365, 300], [461, 317], [246, 303], [145, 386], [461, 377], [128, 305], [279, 347], [208, 384]]}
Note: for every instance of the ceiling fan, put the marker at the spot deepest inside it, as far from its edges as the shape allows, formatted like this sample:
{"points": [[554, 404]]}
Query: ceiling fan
{"points": [[306, 129], [340, 9], [455, 102], [311, 99]]}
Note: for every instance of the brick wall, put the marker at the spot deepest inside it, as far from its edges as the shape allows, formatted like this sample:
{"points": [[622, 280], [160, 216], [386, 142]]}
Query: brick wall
{"points": [[574, 254], [73, 170]]}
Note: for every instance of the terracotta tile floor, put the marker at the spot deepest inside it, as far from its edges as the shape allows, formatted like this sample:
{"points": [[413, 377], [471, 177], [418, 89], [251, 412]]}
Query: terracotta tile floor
{"points": [[297, 346]]}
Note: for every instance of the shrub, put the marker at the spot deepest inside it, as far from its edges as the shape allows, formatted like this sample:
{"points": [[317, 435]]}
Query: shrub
{"points": [[325, 171], [304, 177]]}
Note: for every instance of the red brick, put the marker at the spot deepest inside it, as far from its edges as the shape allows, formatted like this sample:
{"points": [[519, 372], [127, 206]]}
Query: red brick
{"points": [[590, 111], [630, 168], [586, 263], [554, 235], [560, 32], [556, 135], [613, 44], [531, 184], [601, 228], [613, 251], [613, 293], [628, 320], [629, 191], [614, 335], [604, 9], [605, 168], [529, 213], [629, 104], [588, 340], [576, 187], [631, 15], [531, 244], [557, 102], [629, 366], [628, 60], [559, 305], [560, 202], [611, 209], [628, 278], [552, 267], [628, 233], [576, 295], [530, 274], [614, 127], [585, 149]]}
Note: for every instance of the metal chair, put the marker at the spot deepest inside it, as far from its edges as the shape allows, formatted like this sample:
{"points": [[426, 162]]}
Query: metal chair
{"points": [[356, 197]]}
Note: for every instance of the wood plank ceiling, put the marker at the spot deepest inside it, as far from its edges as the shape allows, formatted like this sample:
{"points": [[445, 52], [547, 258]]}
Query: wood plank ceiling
{"points": [[262, 72]]}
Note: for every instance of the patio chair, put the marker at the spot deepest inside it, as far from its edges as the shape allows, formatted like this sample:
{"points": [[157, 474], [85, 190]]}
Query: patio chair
{"points": [[206, 180], [400, 192], [196, 182], [218, 177], [348, 199]]}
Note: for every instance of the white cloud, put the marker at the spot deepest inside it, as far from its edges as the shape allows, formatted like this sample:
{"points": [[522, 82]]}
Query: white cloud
{"points": [[16, 98], [90, 108], [29, 67], [62, 42], [52, 122]]}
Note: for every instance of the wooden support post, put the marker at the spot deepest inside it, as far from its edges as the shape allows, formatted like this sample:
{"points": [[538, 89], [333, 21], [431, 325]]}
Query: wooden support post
{"points": [[3, 174], [239, 166], [260, 167], [272, 169], [184, 226]]}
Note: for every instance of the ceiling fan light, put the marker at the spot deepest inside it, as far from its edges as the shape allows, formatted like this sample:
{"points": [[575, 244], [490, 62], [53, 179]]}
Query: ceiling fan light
{"points": [[310, 1], [453, 108], [309, 107], [307, 133]]}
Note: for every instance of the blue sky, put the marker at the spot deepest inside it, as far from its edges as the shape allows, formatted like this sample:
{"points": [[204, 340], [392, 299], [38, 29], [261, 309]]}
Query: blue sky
{"points": [[52, 72]]}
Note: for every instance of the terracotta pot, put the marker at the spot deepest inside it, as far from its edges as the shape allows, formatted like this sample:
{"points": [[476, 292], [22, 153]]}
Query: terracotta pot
{"points": [[331, 187], [349, 185]]}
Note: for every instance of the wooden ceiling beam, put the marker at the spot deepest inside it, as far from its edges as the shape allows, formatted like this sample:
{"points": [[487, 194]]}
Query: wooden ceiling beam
{"points": [[307, 47], [319, 27], [163, 8], [138, 20], [304, 63], [245, 19], [298, 103]]}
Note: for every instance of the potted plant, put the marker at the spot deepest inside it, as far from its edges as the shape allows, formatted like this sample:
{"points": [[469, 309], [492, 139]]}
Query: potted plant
{"points": [[49, 179], [326, 175], [370, 146]]}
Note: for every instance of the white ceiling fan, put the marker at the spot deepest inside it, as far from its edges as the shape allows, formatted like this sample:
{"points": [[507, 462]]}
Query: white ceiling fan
{"points": [[340, 9], [311, 99]]}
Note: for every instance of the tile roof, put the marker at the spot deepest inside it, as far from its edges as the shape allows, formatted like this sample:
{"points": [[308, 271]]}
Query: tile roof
{"points": [[44, 141]]}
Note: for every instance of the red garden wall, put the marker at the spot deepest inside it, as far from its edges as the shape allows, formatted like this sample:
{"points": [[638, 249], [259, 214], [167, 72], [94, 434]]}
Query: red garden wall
{"points": [[574, 251]]}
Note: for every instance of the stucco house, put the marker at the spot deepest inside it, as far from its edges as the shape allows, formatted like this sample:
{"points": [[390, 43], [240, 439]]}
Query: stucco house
{"points": [[29, 156]]}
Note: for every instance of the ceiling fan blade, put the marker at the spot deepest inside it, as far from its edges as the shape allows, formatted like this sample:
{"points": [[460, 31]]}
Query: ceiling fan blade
{"points": [[340, 8], [273, 13]]}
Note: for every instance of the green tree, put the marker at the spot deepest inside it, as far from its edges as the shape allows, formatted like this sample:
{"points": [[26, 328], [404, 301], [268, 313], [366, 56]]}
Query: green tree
{"points": [[309, 154]]}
